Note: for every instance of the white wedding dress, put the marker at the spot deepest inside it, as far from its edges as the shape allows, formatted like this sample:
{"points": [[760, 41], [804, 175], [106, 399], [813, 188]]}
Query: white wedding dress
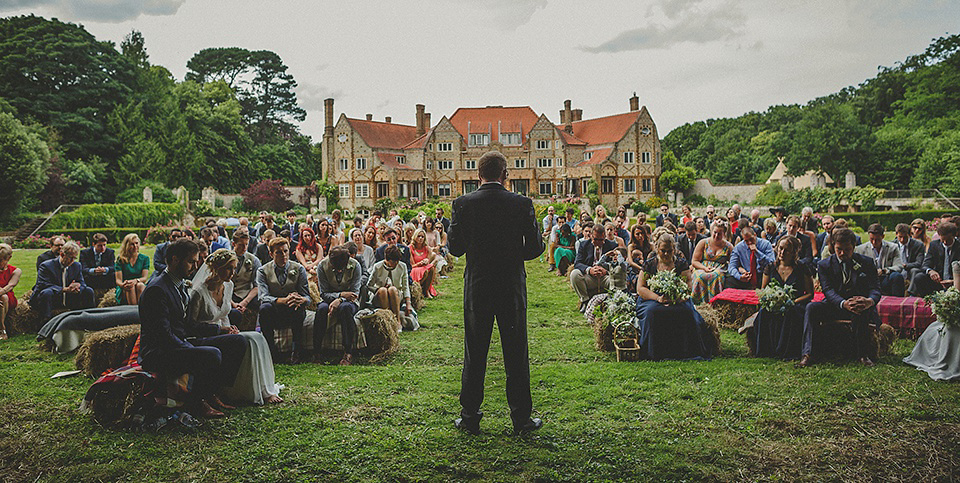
{"points": [[255, 381]]}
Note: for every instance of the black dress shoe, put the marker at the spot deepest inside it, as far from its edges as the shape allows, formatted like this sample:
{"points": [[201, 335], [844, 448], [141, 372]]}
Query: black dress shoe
{"points": [[466, 427], [531, 425]]}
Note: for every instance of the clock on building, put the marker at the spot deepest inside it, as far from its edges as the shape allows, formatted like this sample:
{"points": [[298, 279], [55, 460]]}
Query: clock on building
{"points": [[342, 138], [645, 131]]}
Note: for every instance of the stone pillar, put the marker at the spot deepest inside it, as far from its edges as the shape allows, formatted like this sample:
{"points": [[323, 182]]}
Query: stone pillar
{"points": [[209, 195], [321, 204], [147, 194], [183, 196], [786, 182], [851, 180]]}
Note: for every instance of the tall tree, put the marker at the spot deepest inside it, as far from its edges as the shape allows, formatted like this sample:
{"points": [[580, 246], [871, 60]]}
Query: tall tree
{"points": [[23, 161]]}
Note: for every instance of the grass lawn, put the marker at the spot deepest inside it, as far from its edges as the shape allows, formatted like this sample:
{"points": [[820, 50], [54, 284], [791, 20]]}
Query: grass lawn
{"points": [[733, 418]]}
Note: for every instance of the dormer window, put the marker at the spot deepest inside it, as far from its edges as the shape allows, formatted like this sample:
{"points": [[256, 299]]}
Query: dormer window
{"points": [[479, 139], [510, 138]]}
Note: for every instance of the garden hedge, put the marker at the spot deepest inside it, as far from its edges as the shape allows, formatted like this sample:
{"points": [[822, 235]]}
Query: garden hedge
{"points": [[117, 215], [888, 219]]}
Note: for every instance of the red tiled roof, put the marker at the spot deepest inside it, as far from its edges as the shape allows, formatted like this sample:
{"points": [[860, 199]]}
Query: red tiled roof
{"points": [[598, 156], [383, 134], [419, 142], [390, 160], [487, 119], [570, 139], [605, 130]]}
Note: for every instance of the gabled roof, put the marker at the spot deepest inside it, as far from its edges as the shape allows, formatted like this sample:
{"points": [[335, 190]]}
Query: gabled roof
{"points": [[390, 160], [604, 130], [383, 134], [494, 120], [570, 139], [598, 156]]}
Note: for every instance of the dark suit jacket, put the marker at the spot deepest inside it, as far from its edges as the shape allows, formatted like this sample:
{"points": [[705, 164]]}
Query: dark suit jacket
{"points": [[933, 260], [47, 255], [381, 251], [915, 254], [686, 246], [51, 275], [585, 256], [89, 261], [673, 219], [445, 222], [164, 325], [866, 283], [806, 248], [160, 257], [497, 230], [295, 229], [263, 253]]}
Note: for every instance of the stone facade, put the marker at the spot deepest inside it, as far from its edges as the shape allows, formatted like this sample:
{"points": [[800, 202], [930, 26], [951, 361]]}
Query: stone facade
{"points": [[369, 159]]}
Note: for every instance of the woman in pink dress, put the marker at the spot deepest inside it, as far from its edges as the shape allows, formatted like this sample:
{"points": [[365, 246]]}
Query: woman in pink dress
{"points": [[9, 278], [422, 257]]}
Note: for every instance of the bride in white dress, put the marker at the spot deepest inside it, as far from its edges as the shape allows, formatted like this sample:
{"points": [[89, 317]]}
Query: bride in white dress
{"points": [[938, 350], [210, 298]]}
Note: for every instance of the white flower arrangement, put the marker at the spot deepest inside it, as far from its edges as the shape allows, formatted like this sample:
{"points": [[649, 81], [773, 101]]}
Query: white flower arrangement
{"points": [[776, 298], [946, 306], [670, 286]]}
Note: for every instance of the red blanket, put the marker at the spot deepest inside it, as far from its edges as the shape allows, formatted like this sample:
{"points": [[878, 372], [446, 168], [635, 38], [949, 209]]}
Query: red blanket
{"points": [[909, 315], [747, 297]]}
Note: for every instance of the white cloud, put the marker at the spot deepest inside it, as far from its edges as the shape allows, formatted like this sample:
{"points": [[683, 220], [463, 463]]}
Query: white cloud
{"points": [[508, 15], [107, 11], [311, 96]]}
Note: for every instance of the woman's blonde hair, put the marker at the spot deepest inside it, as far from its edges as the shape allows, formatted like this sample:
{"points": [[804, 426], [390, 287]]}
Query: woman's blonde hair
{"points": [[416, 233], [217, 260], [6, 251], [126, 249]]}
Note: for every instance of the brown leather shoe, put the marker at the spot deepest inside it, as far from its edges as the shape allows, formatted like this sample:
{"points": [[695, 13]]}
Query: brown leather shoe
{"points": [[346, 360], [867, 362], [804, 361], [215, 402], [206, 412]]}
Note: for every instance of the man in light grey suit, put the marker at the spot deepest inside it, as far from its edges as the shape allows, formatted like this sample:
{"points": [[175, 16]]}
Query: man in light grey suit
{"points": [[886, 256], [911, 253]]}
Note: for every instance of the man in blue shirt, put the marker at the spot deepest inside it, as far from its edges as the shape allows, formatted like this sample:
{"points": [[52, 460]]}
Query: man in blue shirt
{"points": [[748, 260]]}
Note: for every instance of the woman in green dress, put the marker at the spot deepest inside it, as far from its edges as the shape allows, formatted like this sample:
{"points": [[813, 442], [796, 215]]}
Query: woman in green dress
{"points": [[132, 269], [565, 252]]}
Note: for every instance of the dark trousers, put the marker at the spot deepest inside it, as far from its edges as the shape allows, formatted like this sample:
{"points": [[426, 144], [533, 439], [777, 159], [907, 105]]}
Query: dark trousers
{"points": [[821, 312], [344, 316], [478, 328], [52, 298], [892, 284], [731, 282], [100, 281], [923, 285], [212, 361], [274, 316]]}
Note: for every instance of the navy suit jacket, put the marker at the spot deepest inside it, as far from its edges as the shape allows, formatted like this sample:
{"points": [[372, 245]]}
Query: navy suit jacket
{"points": [[89, 261], [51, 275], [159, 258], [673, 219], [866, 282], [915, 253], [585, 256], [686, 246], [933, 260], [164, 324]]}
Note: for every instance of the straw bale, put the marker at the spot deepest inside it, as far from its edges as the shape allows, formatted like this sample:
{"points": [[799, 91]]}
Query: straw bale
{"points": [[416, 296], [731, 315], [380, 330], [108, 299], [106, 349]]}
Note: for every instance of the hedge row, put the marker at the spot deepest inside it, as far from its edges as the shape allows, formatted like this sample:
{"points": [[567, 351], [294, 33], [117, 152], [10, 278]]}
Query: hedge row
{"points": [[889, 219], [117, 215], [84, 236]]}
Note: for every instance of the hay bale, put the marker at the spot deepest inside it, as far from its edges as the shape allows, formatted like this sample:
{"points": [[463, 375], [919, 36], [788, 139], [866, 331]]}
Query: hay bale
{"points": [[731, 315], [113, 404], [106, 349], [381, 334], [603, 335], [108, 299], [885, 338], [416, 296], [448, 268], [714, 326], [23, 319]]}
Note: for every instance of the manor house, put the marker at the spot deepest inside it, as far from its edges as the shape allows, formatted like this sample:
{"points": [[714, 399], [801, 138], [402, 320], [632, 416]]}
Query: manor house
{"points": [[370, 159]]}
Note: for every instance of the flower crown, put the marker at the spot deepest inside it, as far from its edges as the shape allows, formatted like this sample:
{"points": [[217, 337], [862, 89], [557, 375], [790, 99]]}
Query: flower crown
{"points": [[220, 258]]}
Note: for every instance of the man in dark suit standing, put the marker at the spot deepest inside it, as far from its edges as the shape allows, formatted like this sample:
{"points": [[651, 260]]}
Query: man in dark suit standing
{"points": [[497, 230], [912, 252], [98, 264], [666, 215], [687, 242], [851, 290], [167, 345], [60, 284], [937, 273]]}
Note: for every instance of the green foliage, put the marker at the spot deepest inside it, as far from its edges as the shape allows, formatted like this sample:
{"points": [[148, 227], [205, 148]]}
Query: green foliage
{"points": [[772, 194], [680, 179], [561, 209], [695, 200], [330, 192], [238, 206], [592, 190], [384, 204], [41, 242], [84, 180], [409, 211], [161, 194], [889, 219], [204, 208], [23, 161], [652, 203], [117, 215], [825, 199]]}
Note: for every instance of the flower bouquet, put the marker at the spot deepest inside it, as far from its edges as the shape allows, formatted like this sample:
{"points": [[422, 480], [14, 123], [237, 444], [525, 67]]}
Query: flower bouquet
{"points": [[946, 306], [670, 286], [776, 298]]}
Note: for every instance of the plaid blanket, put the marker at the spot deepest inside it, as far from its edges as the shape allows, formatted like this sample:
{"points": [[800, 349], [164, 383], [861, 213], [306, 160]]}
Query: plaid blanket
{"points": [[748, 297], [909, 315], [332, 340]]}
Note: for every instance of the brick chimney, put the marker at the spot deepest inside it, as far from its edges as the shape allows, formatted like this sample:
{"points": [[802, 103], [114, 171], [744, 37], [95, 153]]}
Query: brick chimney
{"points": [[420, 119], [388, 119], [426, 122], [577, 115], [328, 116], [567, 117], [369, 117], [634, 103]]}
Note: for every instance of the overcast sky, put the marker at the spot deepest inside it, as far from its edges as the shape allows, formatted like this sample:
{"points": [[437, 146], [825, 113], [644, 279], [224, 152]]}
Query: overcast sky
{"points": [[688, 60]]}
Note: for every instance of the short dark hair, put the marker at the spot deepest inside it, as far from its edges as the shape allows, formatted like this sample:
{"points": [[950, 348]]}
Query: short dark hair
{"points": [[903, 228], [206, 231], [947, 228], [664, 204], [352, 248], [99, 238], [843, 235], [339, 255], [181, 249], [285, 233], [876, 229], [690, 226], [597, 227], [291, 213], [377, 213], [571, 210], [491, 165], [747, 229], [392, 253], [389, 231], [241, 234], [275, 243]]}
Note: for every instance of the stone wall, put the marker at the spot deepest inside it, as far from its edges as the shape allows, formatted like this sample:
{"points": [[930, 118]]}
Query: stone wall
{"points": [[733, 192]]}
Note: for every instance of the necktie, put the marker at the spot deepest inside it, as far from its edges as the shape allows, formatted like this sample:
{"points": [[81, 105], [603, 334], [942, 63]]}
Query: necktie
{"points": [[753, 267], [281, 275], [64, 276], [846, 274], [903, 254], [596, 254], [97, 257], [947, 272]]}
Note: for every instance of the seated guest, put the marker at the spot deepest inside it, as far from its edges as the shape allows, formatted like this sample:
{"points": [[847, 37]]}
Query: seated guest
{"points": [[293, 245], [851, 290], [9, 278], [755, 222], [371, 238], [779, 334], [292, 225], [585, 233], [780, 216], [392, 237], [600, 215], [338, 278], [358, 222], [245, 291], [665, 215], [245, 225], [60, 283], [936, 350], [886, 257], [263, 248], [436, 238], [365, 251], [308, 252], [336, 221], [669, 329], [167, 343], [620, 222], [131, 271], [734, 222], [827, 250], [702, 227], [827, 222], [325, 239], [919, 228], [807, 221], [637, 252], [687, 215], [210, 238], [805, 256], [364, 271], [284, 297], [201, 255], [610, 232], [159, 255], [424, 269], [443, 220], [211, 296], [936, 272], [615, 263], [710, 259], [408, 230], [222, 240], [268, 224], [911, 253], [98, 264], [563, 253], [750, 257], [688, 240], [55, 244], [588, 278]]}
